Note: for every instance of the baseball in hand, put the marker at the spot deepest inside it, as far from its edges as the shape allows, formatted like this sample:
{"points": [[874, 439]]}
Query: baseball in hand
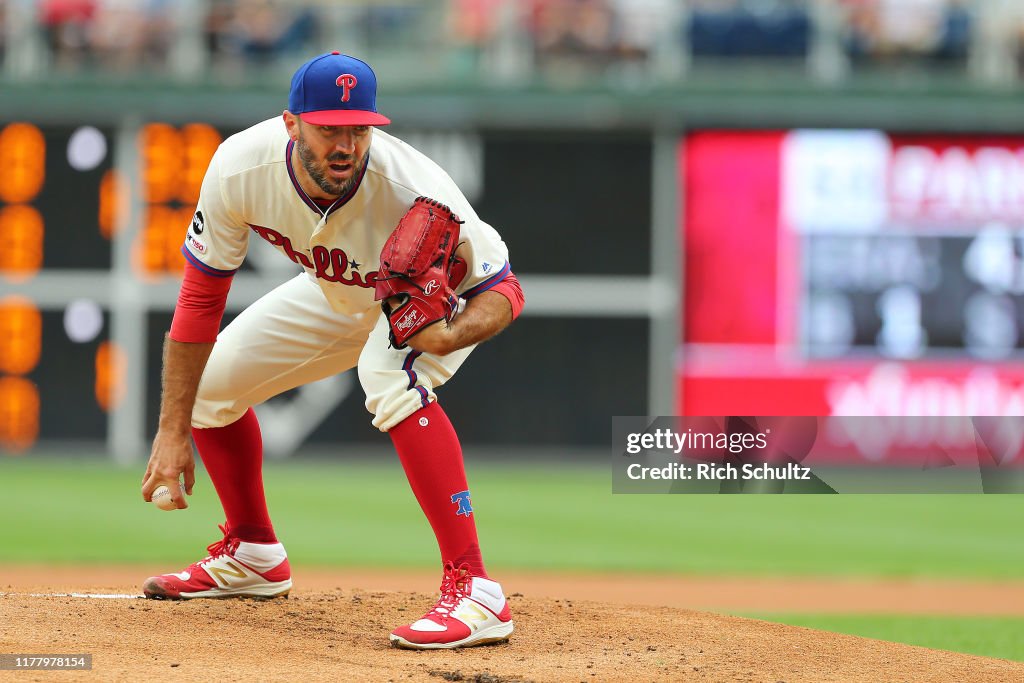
{"points": [[162, 498]]}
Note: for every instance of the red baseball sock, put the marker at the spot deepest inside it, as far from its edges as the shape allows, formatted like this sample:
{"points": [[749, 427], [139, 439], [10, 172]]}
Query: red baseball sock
{"points": [[233, 456], [432, 458]]}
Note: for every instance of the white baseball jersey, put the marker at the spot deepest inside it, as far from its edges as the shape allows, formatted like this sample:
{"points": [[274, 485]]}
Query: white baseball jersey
{"points": [[324, 321], [251, 189]]}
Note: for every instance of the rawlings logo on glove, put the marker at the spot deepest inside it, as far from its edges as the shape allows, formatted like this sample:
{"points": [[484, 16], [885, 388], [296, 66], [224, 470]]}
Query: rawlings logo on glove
{"points": [[406, 322], [415, 270]]}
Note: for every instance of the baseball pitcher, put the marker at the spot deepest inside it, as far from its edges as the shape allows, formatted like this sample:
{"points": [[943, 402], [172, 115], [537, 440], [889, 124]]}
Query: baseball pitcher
{"points": [[400, 279]]}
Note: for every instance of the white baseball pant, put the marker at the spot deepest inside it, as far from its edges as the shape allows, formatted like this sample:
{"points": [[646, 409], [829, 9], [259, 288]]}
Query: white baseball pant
{"points": [[291, 337]]}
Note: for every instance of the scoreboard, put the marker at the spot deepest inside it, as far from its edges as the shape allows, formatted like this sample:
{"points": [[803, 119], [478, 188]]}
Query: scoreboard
{"points": [[909, 248], [852, 272], [907, 295], [64, 204]]}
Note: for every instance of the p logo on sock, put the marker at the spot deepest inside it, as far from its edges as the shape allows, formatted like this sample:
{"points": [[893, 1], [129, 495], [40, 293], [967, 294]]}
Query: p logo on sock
{"points": [[462, 499]]}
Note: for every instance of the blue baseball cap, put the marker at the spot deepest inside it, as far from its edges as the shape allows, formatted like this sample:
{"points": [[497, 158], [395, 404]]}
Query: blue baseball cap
{"points": [[335, 90]]}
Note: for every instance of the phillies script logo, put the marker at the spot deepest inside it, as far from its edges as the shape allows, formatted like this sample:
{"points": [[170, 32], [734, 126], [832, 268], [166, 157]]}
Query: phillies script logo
{"points": [[326, 264], [346, 82]]}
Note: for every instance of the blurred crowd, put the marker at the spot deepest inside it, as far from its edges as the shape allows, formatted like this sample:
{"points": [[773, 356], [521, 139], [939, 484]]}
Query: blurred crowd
{"points": [[128, 34], [888, 29], [556, 34], [108, 33]]}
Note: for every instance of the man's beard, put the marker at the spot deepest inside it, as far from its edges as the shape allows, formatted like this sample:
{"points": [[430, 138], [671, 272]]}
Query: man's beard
{"points": [[334, 188]]}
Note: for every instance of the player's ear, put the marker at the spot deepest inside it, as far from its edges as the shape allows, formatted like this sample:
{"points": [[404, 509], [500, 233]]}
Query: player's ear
{"points": [[291, 123]]}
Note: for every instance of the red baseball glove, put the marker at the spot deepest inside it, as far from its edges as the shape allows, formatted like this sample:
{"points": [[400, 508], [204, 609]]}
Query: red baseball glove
{"points": [[415, 266]]}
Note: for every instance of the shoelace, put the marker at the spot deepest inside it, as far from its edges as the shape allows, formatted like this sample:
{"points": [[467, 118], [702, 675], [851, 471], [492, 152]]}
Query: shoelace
{"points": [[224, 546], [453, 589]]}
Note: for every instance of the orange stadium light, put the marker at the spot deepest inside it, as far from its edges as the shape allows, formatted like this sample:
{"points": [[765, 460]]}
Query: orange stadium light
{"points": [[23, 160], [201, 141], [161, 148], [21, 333], [111, 366], [174, 161], [19, 414], [158, 247], [23, 231], [114, 203]]}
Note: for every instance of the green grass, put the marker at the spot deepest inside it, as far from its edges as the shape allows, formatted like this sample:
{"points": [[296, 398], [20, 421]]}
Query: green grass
{"points": [[537, 517], [1001, 637], [530, 517]]}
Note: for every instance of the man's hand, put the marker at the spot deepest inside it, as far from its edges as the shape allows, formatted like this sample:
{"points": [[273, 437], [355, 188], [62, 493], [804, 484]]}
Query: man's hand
{"points": [[437, 339], [483, 317], [171, 456], [172, 448]]}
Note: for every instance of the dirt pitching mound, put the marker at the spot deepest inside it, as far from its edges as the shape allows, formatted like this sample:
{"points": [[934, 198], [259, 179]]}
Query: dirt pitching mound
{"points": [[336, 635]]}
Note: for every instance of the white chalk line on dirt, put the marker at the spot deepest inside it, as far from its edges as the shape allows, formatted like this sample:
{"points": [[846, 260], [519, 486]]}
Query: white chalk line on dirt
{"points": [[94, 596]]}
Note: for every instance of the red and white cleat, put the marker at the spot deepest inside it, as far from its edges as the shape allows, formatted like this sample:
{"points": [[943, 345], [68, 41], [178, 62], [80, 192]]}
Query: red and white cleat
{"points": [[233, 569], [472, 610]]}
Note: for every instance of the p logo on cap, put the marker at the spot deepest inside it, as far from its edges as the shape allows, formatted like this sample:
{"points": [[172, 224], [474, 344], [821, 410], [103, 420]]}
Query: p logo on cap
{"points": [[316, 99], [346, 82]]}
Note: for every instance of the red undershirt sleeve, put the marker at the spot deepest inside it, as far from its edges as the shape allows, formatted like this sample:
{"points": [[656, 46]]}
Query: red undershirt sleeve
{"points": [[511, 290], [201, 303]]}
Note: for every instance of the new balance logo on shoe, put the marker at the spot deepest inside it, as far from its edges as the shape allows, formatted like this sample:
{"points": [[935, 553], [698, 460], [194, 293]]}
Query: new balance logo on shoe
{"points": [[473, 616], [230, 569]]}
